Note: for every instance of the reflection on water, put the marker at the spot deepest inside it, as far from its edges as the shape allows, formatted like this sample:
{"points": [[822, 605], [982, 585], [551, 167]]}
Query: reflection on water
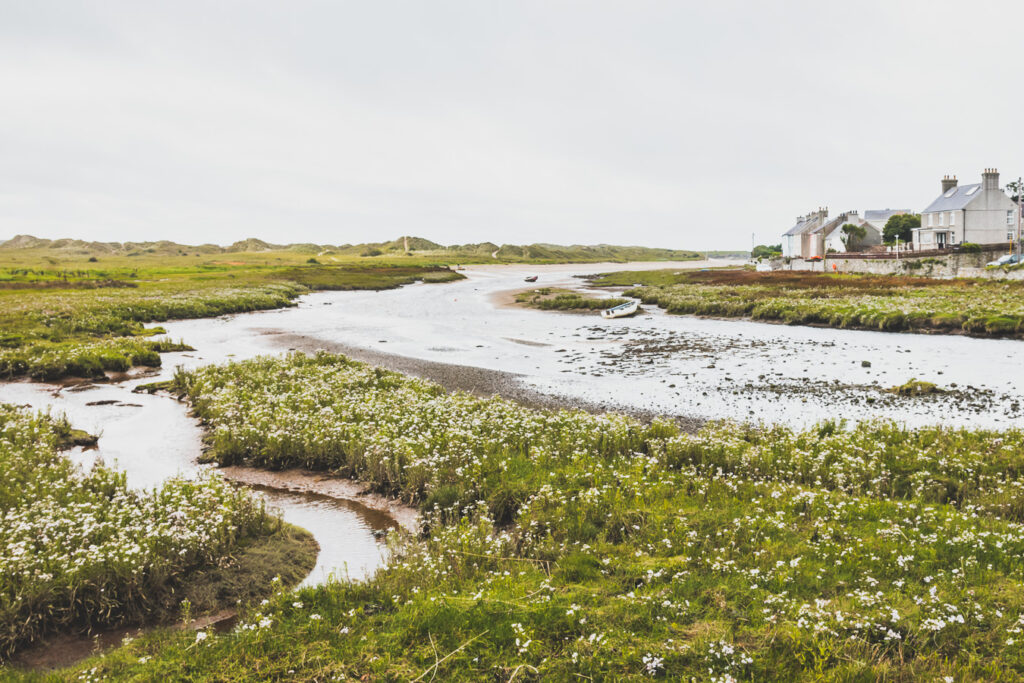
{"points": [[341, 527]]}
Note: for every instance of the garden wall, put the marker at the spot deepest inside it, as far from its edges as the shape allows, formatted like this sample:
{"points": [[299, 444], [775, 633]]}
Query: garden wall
{"points": [[939, 265]]}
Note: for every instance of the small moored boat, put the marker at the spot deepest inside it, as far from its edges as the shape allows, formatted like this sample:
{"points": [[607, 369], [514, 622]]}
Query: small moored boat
{"points": [[532, 278], [622, 310]]}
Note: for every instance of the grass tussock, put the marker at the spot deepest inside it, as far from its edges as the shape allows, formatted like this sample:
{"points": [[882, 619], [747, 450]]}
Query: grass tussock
{"points": [[560, 545], [557, 299], [916, 387]]}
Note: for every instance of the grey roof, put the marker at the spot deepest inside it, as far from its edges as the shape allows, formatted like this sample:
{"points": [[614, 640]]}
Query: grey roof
{"points": [[827, 228], [803, 226], [957, 200], [874, 215]]}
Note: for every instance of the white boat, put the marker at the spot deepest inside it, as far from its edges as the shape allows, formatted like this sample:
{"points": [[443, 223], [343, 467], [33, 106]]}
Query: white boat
{"points": [[622, 310]]}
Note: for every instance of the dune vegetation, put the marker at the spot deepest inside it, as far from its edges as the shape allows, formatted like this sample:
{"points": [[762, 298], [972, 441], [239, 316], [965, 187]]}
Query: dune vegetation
{"points": [[28, 250], [561, 545], [81, 551], [981, 308]]}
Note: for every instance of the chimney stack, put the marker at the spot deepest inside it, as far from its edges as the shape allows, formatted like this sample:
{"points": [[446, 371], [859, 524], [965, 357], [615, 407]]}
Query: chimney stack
{"points": [[948, 184], [990, 179]]}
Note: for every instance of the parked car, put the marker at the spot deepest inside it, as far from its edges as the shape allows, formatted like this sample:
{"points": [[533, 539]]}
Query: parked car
{"points": [[1004, 260]]}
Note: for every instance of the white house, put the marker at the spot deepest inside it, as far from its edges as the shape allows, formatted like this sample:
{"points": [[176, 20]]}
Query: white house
{"points": [[797, 242], [814, 235], [832, 233], [979, 213]]}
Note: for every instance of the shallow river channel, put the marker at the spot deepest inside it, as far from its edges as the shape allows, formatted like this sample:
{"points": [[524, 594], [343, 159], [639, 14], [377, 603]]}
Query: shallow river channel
{"points": [[652, 363]]}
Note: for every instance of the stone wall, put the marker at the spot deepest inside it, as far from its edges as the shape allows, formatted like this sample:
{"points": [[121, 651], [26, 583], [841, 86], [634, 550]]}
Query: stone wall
{"points": [[941, 266]]}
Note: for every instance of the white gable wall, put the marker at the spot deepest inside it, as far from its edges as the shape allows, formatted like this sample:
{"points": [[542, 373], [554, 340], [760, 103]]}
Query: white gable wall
{"points": [[791, 246], [985, 219], [872, 236]]}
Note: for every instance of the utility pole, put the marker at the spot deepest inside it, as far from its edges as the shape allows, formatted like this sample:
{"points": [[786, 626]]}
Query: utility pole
{"points": [[824, 252]]}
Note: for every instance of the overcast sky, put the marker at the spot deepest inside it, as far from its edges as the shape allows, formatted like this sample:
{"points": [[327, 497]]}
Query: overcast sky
{"points": [[676, 124]]}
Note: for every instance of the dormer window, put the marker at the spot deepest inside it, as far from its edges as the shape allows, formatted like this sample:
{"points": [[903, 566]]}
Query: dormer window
{"points": [[950, 192]]}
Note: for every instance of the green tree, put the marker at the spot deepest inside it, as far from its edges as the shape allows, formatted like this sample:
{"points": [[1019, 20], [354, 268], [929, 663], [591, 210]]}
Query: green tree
{"points": [[900, 225], [1014, 189], [766, 251], [852, 235]]}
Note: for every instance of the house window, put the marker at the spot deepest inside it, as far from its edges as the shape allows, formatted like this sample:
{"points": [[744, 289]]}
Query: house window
{"points": [[929, 220], [942, 218], [1009, 217], [952, 217]]}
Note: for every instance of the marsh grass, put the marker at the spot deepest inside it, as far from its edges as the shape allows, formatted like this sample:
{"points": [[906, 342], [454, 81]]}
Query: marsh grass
{"points": [[916, 387], [557, 299], [898, 304], [80, 550], [73, 322], [559, 545]]}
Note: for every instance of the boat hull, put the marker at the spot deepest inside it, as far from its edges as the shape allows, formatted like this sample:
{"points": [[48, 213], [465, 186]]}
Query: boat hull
{"points": [[623, 311]]}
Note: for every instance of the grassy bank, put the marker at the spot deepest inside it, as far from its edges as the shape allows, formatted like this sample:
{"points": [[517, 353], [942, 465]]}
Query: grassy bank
{"points": [[73, 323], [563, 545], [557, 299], [975, 307], [81, 551]]}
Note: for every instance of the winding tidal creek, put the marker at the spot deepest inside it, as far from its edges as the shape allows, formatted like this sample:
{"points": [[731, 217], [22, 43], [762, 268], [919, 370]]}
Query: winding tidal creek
{"points": [[466, 336]]}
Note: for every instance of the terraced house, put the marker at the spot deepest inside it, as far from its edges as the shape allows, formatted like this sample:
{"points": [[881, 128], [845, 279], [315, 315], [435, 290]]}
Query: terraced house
{"points": [[800, 241], [979, 213], [815, 234]]}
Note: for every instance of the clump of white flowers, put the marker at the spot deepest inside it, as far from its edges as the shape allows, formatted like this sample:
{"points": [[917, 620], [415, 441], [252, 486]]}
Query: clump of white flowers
{"points": [[74, 541]]}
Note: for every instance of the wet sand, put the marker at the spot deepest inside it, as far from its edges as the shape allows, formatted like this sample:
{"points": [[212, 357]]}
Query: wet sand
{"points": [[65, 649], [306, 481], [477, 381]]}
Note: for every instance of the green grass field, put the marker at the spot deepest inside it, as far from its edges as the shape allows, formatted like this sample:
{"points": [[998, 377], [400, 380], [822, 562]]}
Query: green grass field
{"points": [[568, 546], [80, 321], [555, 545]]}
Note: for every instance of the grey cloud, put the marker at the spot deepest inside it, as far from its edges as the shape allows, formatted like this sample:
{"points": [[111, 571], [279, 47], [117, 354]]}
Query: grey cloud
{"points": [[668, 124]]}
